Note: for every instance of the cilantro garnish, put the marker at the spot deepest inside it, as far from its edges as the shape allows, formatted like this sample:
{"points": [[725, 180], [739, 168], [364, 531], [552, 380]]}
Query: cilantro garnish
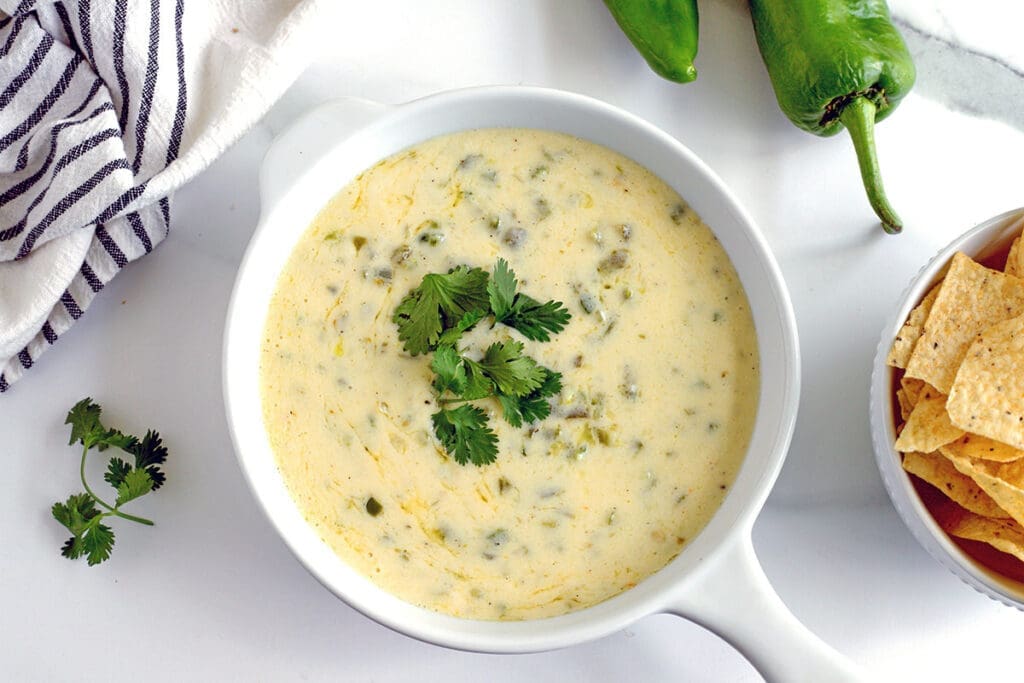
{"points": [[439, 303], [513, 373], [435, 315], [534, 405], [501, 290], [465, 434], [83, 513], [533, 319]]}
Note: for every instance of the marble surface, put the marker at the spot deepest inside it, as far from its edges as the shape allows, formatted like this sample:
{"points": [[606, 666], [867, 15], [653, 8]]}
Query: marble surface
{"points": [[211, 593]]}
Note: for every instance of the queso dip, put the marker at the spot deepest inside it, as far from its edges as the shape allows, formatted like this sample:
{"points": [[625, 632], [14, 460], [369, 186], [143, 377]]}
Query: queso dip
{"points": [[659, 367]]}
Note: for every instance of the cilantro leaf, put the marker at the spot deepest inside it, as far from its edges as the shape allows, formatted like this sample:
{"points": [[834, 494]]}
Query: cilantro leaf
{"points": [[422, 314], [451, 373], [419, 323], [116, 439], [465, 435], [90, 537], [136, 483], [501, 289], [86, 428], [533, 406], [510, 409], [536, 321], [512, 372], [149, 453], [76, 512], [84, 418], [97, 542], [519, 409], [72, 548], [477, 383], [117, 470], [468, 321], [550, 385]]}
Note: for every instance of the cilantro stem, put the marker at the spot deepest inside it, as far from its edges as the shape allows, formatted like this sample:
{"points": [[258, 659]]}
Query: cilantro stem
{"points": [[133, 518], [81, 472], [103, 503]]}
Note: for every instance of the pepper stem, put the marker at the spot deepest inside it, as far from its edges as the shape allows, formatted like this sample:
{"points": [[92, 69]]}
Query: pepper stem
{"points": [[858, 115]]}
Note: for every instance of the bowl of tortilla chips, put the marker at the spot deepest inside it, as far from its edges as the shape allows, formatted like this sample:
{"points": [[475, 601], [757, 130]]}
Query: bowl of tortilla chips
{"points": [[947, 407]]}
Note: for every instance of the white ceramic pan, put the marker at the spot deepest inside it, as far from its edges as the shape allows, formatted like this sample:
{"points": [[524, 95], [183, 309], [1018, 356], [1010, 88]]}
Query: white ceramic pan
{"points": [[716, 581]]}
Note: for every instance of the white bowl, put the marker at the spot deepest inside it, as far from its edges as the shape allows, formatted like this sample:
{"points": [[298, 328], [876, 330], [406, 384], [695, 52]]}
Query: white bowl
{"points": [[716, 579], [985, 239]]}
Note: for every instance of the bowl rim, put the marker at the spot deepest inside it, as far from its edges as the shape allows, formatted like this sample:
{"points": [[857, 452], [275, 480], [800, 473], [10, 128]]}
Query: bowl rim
{"points": [[734, 517], [986, 237]]}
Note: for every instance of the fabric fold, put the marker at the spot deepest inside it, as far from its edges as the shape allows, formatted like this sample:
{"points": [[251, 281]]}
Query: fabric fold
{"points": [[106, 108]]}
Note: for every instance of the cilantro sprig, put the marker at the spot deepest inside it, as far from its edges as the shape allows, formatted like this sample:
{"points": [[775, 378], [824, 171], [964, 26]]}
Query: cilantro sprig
{"points": [[439, 303], [434, 316], [534, 320], [83, 513]]}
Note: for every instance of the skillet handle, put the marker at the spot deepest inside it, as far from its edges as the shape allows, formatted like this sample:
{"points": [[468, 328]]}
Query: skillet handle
{"points": [[730, 595]]}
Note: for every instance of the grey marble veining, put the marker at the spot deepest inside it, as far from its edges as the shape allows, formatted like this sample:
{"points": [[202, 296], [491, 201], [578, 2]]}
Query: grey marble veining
{"points": [[964, 78], [968, 55]]}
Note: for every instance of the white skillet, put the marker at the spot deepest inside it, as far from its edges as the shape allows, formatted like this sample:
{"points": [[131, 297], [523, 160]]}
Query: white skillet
{"points": [[716, 581]]}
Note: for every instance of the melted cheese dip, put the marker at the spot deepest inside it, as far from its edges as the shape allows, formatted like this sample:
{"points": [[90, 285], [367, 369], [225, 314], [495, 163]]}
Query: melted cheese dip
{"points": [[659, 367]]}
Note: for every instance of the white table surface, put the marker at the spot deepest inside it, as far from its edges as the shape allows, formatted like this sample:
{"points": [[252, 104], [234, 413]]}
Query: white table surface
{"points": [[211, 593]]}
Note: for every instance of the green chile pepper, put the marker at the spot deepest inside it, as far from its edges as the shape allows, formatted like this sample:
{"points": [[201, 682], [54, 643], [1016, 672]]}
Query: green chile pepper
{"points": [[663, 31], [835, 64]]}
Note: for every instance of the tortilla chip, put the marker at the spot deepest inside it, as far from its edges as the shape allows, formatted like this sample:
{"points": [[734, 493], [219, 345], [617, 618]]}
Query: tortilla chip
{"points": [[1014, 266], [906, 407], [1003, 481], [943, 475], [911, 331], [928, 427], [912, 387], [971, 299], [987, 396], [974, 446], [1002, 534], [928, 391]]}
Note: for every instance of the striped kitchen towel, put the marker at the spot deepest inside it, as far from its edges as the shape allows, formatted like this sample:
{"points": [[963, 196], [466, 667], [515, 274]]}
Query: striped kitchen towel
{"points": [[106, 108]]}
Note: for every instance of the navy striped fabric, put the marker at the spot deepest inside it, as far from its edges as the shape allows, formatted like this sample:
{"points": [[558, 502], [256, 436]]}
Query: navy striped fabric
{"points": [[90, 111], [98, 128]]}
